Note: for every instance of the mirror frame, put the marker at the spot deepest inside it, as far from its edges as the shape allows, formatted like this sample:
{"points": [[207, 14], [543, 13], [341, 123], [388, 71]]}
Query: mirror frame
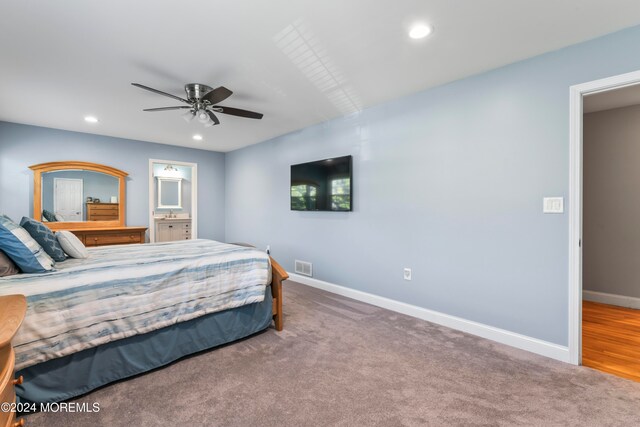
{"points": [[41, 168], [162, 179]]}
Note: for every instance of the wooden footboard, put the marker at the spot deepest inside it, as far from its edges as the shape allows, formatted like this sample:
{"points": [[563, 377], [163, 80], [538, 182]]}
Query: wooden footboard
{"points": [[278, 274]]}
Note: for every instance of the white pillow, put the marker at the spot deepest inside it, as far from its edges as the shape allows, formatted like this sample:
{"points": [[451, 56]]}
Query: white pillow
{"points": [[59, 218], [71, 245]]}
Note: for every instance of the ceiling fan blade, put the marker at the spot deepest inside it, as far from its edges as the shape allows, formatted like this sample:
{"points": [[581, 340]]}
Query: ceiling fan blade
{"points": [[166, 108], [238, 112], [217, 95], [159, 92], [213, 118]]}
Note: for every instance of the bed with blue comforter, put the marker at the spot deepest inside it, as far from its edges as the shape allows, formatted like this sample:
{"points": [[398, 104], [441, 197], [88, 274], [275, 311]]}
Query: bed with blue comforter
{"points": [[131, 308]]}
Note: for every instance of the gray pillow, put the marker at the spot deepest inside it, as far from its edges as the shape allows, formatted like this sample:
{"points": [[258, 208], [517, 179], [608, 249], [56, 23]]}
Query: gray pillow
{"points": [[45, 237], [7, 267], [71, 244]]}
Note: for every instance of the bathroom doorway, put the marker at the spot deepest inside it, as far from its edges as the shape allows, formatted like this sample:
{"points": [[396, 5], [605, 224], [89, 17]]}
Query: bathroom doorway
{"points": [[173, 195]]}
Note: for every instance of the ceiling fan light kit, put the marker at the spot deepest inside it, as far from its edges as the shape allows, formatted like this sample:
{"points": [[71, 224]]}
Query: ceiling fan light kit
{"points": [[203, 117], [188, 116], [202, 103]]}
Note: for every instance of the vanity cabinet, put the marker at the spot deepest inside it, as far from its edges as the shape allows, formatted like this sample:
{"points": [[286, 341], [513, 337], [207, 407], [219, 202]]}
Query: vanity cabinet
{"points": [[169, 230]]}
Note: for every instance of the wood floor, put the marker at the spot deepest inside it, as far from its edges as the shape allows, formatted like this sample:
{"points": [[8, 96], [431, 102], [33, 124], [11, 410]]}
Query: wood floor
{"points": [[611, 339]]}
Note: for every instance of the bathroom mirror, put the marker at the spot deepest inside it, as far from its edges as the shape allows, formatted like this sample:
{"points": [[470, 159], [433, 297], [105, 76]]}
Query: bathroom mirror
{"points": [[169, 193]]}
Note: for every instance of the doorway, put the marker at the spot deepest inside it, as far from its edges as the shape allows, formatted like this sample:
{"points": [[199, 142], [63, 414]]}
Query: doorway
{"points": [[173, 200], [602, 334]]}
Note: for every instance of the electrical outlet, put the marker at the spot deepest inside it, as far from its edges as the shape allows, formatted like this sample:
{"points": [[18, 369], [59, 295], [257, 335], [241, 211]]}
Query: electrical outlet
{"points": [[407, 274]]}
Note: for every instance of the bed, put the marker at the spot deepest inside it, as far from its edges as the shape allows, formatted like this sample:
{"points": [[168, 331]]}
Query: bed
{"points": [[131, 308]]}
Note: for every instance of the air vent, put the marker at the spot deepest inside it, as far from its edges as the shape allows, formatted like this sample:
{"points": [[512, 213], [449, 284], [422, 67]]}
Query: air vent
{"points": [[304, 268]]}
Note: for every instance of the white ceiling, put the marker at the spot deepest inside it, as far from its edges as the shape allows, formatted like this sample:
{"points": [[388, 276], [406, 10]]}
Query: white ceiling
{"points": [[617, 98], [299, 62]]}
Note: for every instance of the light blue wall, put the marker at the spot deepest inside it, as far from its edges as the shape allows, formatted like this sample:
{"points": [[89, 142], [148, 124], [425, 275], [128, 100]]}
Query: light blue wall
{"points": [[22, 146], [448, 182]]}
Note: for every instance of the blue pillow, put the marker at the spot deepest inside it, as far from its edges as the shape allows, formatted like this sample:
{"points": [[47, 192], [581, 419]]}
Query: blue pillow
{"points": [[49, 216], [45, 237], [18, 245]]}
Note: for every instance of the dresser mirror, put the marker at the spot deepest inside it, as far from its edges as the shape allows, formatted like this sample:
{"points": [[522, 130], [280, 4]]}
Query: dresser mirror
{"points": [[78, 195]]}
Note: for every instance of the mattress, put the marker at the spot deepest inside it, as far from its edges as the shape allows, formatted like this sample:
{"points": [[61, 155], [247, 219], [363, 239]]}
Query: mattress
{"points": [[127, 290]]}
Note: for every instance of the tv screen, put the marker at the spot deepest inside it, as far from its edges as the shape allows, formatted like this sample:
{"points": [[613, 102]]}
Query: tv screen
{"points": [[324, 185]]}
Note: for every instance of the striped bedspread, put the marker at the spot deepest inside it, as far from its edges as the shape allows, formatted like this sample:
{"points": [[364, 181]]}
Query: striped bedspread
{"points": [[121, 291]]}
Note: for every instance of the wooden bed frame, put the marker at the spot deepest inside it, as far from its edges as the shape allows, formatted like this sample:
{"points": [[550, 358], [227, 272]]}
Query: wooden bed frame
{"points": [[278, 274]]}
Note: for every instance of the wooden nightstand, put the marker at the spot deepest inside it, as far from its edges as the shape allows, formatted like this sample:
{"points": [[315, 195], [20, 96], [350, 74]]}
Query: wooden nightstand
{"points": [[13, 310]]}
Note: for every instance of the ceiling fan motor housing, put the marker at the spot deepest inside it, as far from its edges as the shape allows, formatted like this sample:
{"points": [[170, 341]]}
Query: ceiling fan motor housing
{"points": [[195, 91]]}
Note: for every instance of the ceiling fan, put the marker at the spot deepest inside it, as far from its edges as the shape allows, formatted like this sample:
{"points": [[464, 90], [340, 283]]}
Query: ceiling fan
{"points": [[202, 102]]}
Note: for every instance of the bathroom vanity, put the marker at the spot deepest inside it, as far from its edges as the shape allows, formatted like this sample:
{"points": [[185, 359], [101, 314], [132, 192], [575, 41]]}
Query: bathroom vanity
{"points": [[172, 229]]}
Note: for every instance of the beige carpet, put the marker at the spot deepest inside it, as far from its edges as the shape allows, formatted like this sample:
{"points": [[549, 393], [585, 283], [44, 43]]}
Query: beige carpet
{"points": [[341, 362]]}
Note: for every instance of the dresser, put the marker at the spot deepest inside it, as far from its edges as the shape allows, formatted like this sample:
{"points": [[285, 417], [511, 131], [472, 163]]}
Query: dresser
{"points": [[110, 235], [172, 229], [102, 211], [13, 310]]}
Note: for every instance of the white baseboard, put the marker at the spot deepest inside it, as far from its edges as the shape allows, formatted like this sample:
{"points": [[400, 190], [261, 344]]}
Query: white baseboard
{"points": [[612, 299], [502, 336]]}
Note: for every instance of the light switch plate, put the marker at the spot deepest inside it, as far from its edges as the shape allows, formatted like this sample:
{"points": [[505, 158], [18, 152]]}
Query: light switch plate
{"points": [[553, 205]]}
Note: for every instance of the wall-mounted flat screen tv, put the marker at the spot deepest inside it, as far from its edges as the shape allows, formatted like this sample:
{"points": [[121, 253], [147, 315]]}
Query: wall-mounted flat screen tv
{"points": [[324, 185]]}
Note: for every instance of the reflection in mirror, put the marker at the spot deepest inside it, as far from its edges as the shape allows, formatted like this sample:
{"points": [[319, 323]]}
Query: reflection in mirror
{"points": [[169, 193], [79, 195]]}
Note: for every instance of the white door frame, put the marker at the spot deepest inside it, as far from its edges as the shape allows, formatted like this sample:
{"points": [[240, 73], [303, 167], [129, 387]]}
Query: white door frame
{"points": [[575, 200], [194, 196]]}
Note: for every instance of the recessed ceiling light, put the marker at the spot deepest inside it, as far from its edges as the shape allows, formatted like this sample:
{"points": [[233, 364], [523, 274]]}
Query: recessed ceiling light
{"points": [[197, 137], [420, 31], [91, 119]]}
